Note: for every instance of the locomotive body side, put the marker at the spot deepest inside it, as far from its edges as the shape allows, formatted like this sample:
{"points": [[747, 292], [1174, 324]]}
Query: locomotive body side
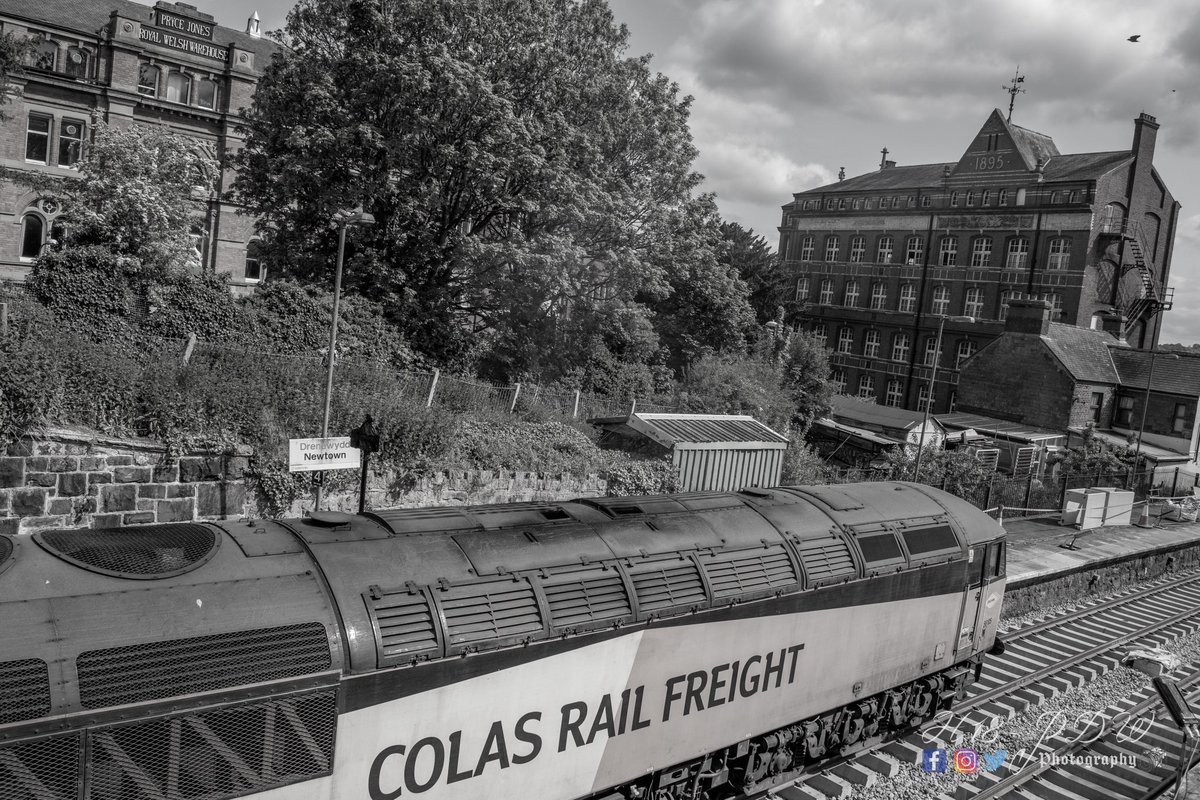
{"points": [[668, 644]]}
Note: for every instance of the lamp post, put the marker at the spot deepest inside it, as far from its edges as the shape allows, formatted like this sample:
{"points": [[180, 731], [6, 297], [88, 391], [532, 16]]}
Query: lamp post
{"points": [[937, 356], [344, 219], [1137, 453]]}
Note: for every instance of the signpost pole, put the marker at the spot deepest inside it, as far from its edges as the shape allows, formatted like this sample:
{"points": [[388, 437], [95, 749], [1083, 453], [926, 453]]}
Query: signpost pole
{"points": [[337, 297]]}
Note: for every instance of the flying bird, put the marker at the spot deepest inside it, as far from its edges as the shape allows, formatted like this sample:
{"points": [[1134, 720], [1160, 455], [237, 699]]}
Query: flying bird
{"points": [[1134, 38]]}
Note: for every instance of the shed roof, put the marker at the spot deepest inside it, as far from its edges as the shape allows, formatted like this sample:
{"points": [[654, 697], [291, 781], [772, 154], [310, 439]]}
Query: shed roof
{"points": [[853, 411], [1085, 353], [676, 430], [1001, 428], [1171, 375]]}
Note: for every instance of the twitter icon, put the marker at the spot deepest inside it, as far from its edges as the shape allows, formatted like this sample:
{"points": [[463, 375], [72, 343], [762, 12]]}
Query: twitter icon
{"points": [[994, 760]]}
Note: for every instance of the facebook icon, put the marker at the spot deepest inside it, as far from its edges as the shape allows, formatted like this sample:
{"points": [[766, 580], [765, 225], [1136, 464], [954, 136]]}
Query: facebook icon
{"points": [[933, 759]]}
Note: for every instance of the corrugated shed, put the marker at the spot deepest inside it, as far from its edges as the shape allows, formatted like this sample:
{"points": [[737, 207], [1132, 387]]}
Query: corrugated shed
{"points": [[711, 428]]}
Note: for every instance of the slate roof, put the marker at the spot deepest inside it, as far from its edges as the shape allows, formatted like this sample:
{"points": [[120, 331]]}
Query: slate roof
{"points": [[1085, 353], [1171, 375], [1085, 166], [87, 17], [918, 176], [1031, 144], [853, 411]]}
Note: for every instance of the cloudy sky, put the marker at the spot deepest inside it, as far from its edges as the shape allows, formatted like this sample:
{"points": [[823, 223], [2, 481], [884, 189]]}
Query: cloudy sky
{"points": [[788, 91]]}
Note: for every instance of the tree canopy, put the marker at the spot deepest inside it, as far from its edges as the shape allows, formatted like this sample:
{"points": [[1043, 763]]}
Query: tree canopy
{"points": [[532, 186]]}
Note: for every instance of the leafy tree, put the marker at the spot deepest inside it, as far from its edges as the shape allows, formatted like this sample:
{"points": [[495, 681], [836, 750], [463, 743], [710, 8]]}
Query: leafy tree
{"points": [[753, 261], [806, 378], [959, 471], [531, 185], [13, 51], [138, 193], [739, 385], [1094, 455]]}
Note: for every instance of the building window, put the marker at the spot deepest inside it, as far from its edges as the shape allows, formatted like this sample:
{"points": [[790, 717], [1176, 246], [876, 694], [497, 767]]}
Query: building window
{"points": [[1054, 198], [32, 232], [832, 245], [179, 88], [841, 204], [923, 400], [987, 198], [206, 93], [1074, 198], [914, 250], [1005, 296], [908, 299], [78, 60], [820, 333], [981, 252], [838, 379], [948, 251], [1179, 421], [45, 54], [900, 347], [931, 350], [148, 79], [973, 302], [941, 300], [970, 198], [878, 296], [966, 349], [37, 138], [1124, 411], [826, 298], [806, 248], [895, 394], [1002, 197], [912, 201], [953, 199], [866, 387], [254, 268], [884, 254], [1060, 253], [858, 249], [857, 204], [829, 204], [850, 296], [1056, 304], [801, 289], [871, 344], [70, 142], [882, 203], [926, 201], [1020, 197], [1018, 253], [1097, 405], [845, 340]]}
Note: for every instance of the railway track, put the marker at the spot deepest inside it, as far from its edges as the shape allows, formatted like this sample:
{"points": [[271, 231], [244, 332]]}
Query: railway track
{"points": [[1042, 660]]}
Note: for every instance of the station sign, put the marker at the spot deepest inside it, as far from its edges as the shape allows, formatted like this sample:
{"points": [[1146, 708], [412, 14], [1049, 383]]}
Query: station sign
{"points": [[311, 455]]}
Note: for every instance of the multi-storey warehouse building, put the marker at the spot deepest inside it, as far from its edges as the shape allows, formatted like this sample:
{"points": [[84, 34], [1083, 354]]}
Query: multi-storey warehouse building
{"points": [[169, 66], [882, 261]]}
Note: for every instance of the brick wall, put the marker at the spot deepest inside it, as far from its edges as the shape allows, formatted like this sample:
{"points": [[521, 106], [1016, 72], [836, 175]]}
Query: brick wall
{"points": [[1016, 377], [71, 478]]}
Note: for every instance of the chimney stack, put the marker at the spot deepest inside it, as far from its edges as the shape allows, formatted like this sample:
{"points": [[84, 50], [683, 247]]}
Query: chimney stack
{"points": [[1145, 132], [1027, 315]]}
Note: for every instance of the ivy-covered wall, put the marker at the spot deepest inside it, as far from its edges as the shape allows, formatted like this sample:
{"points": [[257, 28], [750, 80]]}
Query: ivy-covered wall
{"points": [[74, 478]]}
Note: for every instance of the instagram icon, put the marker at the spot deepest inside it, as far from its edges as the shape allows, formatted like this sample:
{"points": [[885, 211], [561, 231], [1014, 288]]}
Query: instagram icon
{"points": [[966, 761]]}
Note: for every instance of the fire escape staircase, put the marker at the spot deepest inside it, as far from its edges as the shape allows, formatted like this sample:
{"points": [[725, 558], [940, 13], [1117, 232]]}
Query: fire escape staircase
{"points": [[1152, 297]]}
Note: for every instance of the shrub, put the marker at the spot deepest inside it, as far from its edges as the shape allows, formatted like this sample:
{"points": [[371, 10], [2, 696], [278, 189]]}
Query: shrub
{"points": [[648, 476]]}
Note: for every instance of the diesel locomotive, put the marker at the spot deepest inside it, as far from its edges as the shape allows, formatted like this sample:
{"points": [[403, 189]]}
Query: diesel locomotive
{"points": [[676, 647]]}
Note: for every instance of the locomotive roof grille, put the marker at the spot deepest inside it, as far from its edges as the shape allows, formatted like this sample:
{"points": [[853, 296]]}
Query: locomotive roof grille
{"points": [[144, 552], [25, 690], [49, 767]]}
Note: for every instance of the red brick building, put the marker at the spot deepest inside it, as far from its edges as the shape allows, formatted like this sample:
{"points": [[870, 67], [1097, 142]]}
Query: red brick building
{"points": [[168, 65], [879, 259]]}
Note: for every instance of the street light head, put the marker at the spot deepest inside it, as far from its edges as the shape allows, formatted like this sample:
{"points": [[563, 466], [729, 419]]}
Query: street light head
{"points": [[961, 319], [354, 216]]}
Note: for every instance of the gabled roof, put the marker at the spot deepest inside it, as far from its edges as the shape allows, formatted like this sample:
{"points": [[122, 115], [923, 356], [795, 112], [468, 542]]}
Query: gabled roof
{"points": [[1085, 353], [89, 16], [1085, 166], [1171, 375], [1030, 144], [918, 176]]}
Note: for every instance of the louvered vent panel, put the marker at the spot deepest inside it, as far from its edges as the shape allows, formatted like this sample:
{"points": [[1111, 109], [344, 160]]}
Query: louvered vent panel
{"points": [[406, 625], [826, 558], [667, 583], [586, 595], [44, 769], [223, 753], [490, 610], [24, 690], [182, 666], [745, 571]]}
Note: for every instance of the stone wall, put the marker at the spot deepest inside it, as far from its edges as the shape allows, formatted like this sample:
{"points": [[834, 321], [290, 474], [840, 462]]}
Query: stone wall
{"points": [[73, 478]]}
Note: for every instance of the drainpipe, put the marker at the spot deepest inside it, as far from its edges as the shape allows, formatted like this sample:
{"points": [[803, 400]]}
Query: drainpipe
{"points": [[1033, 252], [916, 328]]}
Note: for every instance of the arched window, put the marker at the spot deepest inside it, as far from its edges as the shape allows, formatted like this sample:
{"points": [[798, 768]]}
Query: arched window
{"points": [[806, 248], [866, 387], [948, 251], [838, 379], [33, 229], [148, 75], [966, 349], [845, 340], [1005, 296], [1060, 253], [78, 61], [895, 394], [884, 256], [801, 288], [871, 344], [1114, 218], [1002, 197], [953, 199], [878, 296], [973, 302], [941, 300], [931, 350], [981, 252], [179, 87], [1020, 197], [900, 347], [908, 299], [1018, 253], [821, 334], [254, 268], [914, 250], [832, 246], [206, 93], [850, 297], [858, 249], [826, 298]]}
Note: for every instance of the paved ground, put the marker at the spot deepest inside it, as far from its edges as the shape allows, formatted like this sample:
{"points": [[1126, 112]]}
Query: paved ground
{"points": [[1036, 546]]}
